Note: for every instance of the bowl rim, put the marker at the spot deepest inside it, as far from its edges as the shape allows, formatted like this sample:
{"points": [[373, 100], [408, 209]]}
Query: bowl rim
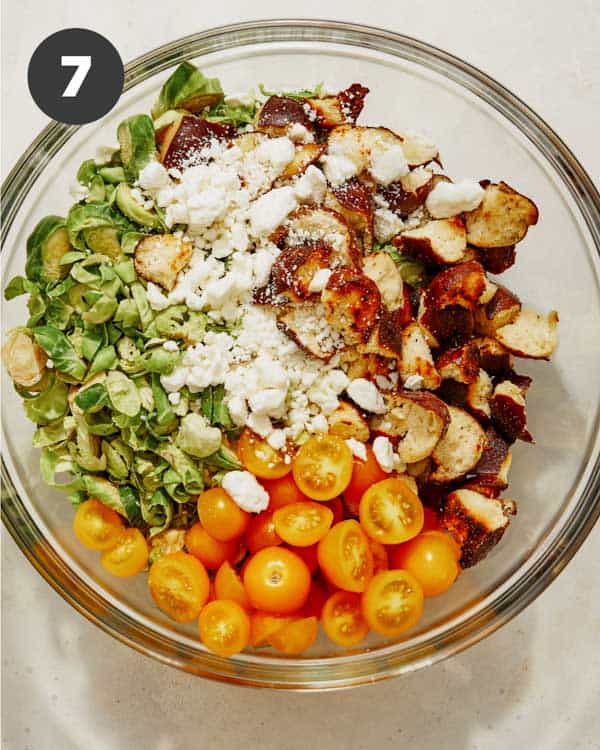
{"points": [[555, 551]]}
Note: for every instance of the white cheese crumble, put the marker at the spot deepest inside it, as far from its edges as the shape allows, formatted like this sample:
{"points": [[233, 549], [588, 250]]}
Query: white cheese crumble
{"points": [[298, 133], [359, 450], [387, 224], [388, 164], [384, 453], [246, 491], [174, 398], [311, 186], [365, 394], [319, 280], [414, 382], [452, 198], [338, 168], [269, 211]]}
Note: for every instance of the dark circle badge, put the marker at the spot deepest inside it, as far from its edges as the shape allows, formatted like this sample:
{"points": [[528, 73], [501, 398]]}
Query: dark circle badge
{"points": [[75, 76]]}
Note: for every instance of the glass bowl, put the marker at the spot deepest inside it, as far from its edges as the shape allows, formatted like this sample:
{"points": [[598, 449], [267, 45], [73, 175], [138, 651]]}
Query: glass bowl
{"points": [[482, 130]]}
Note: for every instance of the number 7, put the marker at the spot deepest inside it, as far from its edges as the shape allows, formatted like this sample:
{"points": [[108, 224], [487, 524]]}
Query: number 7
{"points": [[83, 63]]}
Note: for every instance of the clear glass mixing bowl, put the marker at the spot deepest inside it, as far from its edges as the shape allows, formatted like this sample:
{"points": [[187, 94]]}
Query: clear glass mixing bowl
{"points": [[482, 130]]}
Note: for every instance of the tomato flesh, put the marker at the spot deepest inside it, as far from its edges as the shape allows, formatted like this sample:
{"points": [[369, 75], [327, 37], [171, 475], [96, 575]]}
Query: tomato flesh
{"points": [[392, 602], [322, 468], [390, 512], [364, 474], [260, 458], [261, 532], [432, 559], [179, 585], [211, 552], [228, 585], [345, 556], [296, 636], [128, 556], [276, 580], [220, 516], [224, 627], [302, 524], [96, 526], [343, 619]]}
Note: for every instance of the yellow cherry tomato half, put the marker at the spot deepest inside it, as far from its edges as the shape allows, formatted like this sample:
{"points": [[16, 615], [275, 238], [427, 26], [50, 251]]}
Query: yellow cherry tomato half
{"points": [[345, 556], [392, 602], [322, 468], [96, 526], [128, 556], [260, 458], [224, 627], [228, 585], [343, 619], [282, 491], [432, 558], [179, 585], [210, 551], [390, 512], [302, 524], [296, 636], [220, 516], [264, 624]]}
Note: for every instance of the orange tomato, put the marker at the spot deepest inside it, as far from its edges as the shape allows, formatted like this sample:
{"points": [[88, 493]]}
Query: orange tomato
{"points": [[432, 559], [322, 468], [179, 585], [345, 556], [392, 602], [211, 552], [431, 521], [264, 624], [276, 580], [343, 620], [260, 459], [96, 526], [380, 556], [224, 627], [302, 524], [309, 555], [128, 556], [296, 636], [316, 599], [390, 512], [283, 491], [228, 585], [364, 474], [261, 532], [336, 506], [220, 516]]}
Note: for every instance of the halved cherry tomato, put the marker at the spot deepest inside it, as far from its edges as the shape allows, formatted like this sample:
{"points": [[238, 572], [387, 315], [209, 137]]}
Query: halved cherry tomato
{"points": [[260, 459], [364, 474], [228, 585], [179, 585], [296, 636], [432, 559], [380, 556], [224, 627], [96, 526], [309, 555], [276, 580], [343, 619], [220, 516], [261, 532], [316, 600], [210, 551], [390, 512], [128, 556], [264, 624], [431, 520], [302, 524], [393, 602], [283, 491], [322, 468], [336, 506], [345, 556]]}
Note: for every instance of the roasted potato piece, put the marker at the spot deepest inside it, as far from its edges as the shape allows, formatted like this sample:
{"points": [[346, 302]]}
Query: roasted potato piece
{"points": [[493, 357], [478, 396], [304, 155], [508, 411], [530, 334], [439, 242], [417, 358], [418, 149], [495, 461], [160, 257], [461, 447], [497, 259], [501, 310], [305, 323], [362, 365], [352, 100], [385, 340], [354, 202], [416, 420], [186, 137], [278, 113], [352, 305], [476, 522], [460, 363], [327, 112], [347, 422], [381, 269], [24, 359], [312, 225], [294, 268], [409, 192], [502, 219]]}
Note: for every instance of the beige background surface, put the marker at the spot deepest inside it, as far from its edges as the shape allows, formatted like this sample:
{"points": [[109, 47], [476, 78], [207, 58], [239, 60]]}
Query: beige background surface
{"points": [[534, 684]]}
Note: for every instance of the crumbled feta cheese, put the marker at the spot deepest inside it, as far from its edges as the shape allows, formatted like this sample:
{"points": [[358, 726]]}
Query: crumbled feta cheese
{"points": [[277, 152], [413, 382], [238, 410], [319, 424], [338, 168], [260, 424], [452, 198], [277, 440], [171, 346], [359, 450], [319, 280], [154, 176], [298, 133], [311, 187], [269, 401], [388, 164], [387, 224], [365, 394], [267, 213], [246, 491], [174, 398], [384, 453]]}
